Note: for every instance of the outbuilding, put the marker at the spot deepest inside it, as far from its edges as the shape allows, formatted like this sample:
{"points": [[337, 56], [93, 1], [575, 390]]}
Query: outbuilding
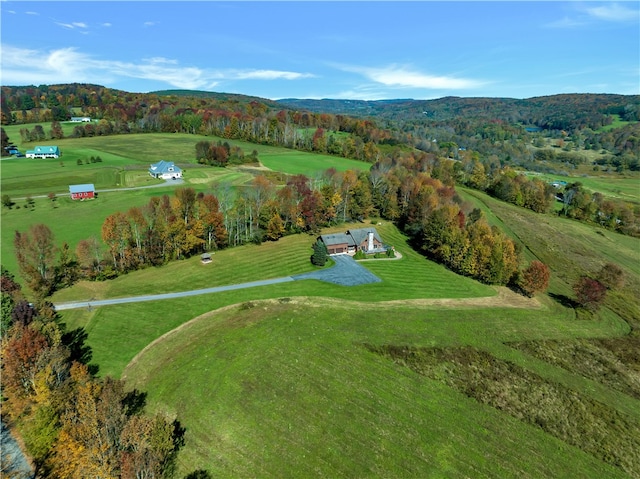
{"points": [[82, 192]]}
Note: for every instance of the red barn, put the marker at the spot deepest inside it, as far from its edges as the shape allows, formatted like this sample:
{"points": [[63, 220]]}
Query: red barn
{"points": [[81, 192]]}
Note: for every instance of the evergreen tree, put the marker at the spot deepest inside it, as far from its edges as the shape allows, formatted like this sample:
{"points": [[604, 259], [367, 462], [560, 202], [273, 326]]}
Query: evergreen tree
{"points": [[320, 253]]}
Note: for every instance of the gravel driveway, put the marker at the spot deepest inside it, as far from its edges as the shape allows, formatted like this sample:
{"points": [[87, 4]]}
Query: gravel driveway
{"points": [[346, 272]]}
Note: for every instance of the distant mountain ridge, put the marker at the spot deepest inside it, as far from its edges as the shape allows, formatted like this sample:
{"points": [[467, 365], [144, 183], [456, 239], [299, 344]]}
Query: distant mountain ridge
{"points": [[528, 110], [560, 112]]}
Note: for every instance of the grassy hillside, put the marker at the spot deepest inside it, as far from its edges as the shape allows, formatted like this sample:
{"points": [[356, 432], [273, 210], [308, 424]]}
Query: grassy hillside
{"points": [[293, 387], [621, 187], [288, 389]]}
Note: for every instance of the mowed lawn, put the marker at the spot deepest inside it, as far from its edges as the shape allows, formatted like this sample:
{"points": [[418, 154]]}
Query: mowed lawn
{"points": [[115, 338], [288, 389]]}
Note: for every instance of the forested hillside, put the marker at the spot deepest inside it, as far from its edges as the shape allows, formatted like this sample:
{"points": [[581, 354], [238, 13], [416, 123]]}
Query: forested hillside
{"points": [[490, 140]]}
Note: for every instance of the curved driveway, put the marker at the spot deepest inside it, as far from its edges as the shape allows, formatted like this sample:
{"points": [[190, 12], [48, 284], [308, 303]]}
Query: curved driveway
{"points": [[346, 272]]}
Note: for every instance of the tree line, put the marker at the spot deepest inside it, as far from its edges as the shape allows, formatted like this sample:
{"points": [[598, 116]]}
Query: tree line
{"points": [[73, 423]]}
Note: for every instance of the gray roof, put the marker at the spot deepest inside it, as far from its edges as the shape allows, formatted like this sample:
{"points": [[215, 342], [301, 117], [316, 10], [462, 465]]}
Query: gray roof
{"points": [[362, 234], [337, 238], [351, 237]]}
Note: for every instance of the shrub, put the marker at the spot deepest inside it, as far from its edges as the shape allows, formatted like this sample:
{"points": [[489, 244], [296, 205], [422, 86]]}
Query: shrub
{"points": [[359, 255], [611, 276], [590, 293], [535, 278]]}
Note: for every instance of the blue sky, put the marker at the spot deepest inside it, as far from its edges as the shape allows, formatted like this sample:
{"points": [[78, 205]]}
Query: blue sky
{"points": [[352, 50]]}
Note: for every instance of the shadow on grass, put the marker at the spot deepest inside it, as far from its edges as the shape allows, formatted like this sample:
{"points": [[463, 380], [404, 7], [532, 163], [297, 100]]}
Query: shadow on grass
{"points": [[565, 301]]}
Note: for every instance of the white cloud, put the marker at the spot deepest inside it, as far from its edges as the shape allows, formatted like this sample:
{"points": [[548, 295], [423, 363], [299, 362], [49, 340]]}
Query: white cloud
{"points": [[566, 22], [106, 24], [404, 77], [149, 24], [160, 60], [614, 12], [32, 13], [268, 75], [73, 25], [22, 67], [587, 15]]}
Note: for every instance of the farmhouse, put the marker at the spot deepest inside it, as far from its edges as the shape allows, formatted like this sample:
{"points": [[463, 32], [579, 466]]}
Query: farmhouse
{"points": [[81, 192], [44, 152], [366, 240], [80, 119], [165, 170]]}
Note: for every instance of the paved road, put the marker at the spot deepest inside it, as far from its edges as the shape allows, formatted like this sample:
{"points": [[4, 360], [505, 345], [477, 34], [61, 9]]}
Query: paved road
{"points": [[346, 272], [13, 462]]}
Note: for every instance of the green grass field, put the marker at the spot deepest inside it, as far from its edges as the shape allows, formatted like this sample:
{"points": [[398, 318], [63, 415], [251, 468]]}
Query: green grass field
{"points": [[625, 188], [617, 123], [289, 390], [284, 381]]}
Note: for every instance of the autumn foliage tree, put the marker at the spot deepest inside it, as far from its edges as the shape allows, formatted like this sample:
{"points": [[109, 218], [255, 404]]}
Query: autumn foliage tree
{"points": [[35, 253], [535, 278], [611, 276], [590, 293]]}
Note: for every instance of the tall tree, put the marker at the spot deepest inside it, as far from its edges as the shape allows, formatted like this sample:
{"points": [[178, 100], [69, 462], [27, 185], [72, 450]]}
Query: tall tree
{"points": [[320, 253], [20, 360], [35, 253], [89, 440], [149, 447]]}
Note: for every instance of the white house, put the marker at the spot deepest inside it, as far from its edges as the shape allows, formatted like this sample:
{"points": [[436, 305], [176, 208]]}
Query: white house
{"points": [[44, 152], [165, 170], [80, 119]]}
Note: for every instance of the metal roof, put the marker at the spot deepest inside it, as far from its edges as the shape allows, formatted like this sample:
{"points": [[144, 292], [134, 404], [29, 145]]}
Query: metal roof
{"points": [[81, 188]]}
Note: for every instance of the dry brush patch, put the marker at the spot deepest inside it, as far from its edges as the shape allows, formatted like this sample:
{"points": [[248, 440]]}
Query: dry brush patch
{"points": [[560, 411], [614, 363]]}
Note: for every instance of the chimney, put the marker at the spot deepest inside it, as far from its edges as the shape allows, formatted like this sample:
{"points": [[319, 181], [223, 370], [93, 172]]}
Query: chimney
{"points": [[370, 245]]}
